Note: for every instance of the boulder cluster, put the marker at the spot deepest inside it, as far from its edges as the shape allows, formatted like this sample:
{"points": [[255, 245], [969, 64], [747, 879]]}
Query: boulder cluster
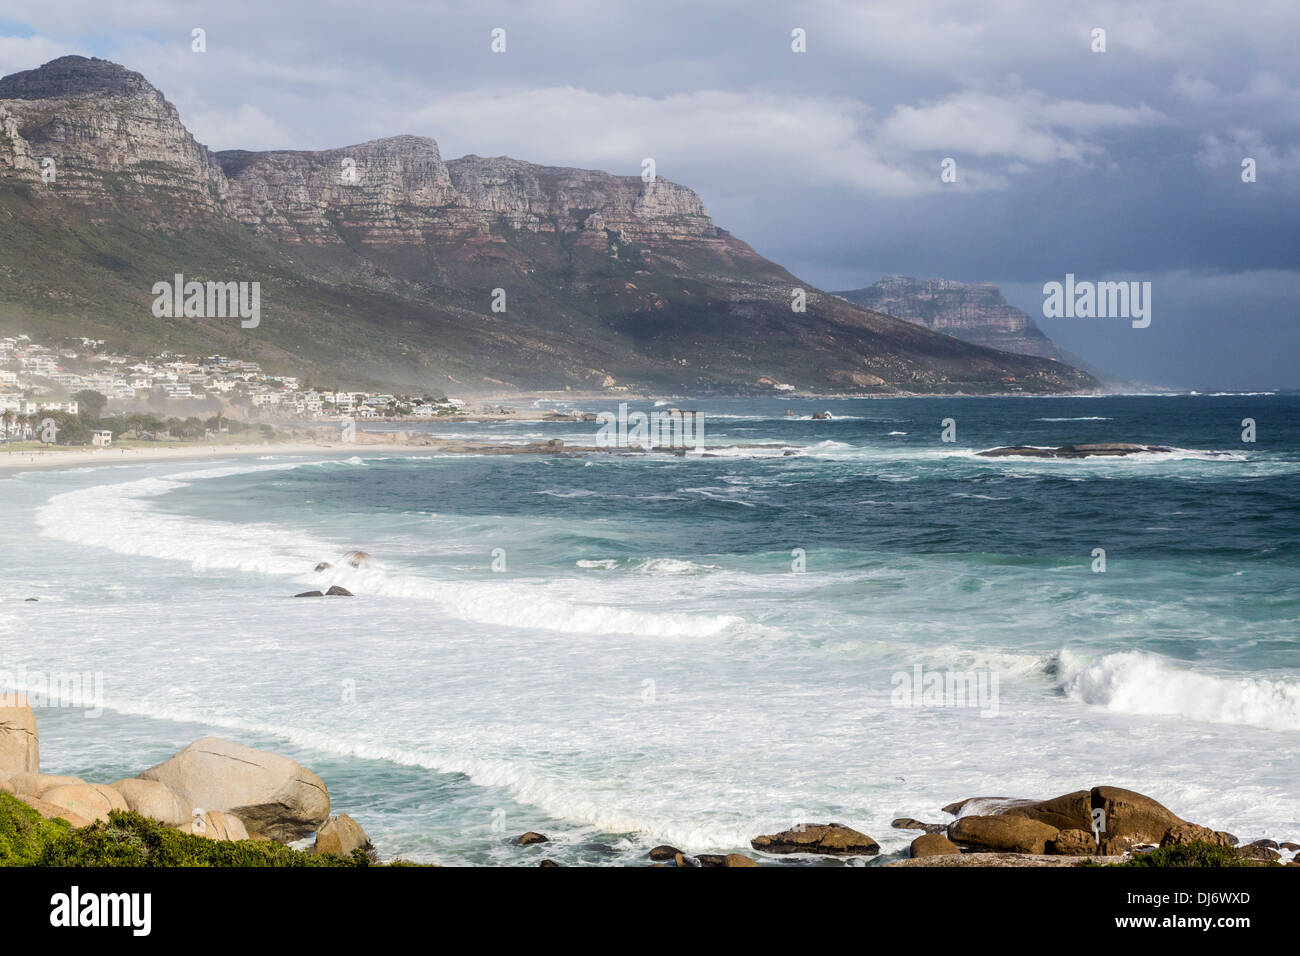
{"points": [[1105, 823], [1101, 822], [213, 788]]}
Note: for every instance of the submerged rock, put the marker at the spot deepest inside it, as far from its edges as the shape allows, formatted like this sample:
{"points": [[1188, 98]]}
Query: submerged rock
{"points": [[358, 559], [1107, 449], [529, 838]]}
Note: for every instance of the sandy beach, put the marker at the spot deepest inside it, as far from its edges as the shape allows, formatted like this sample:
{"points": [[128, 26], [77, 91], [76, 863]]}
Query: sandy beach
{"points": [[20, 461]]}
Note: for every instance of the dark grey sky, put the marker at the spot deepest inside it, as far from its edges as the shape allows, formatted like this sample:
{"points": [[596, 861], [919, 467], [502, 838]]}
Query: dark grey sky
{"points": [[1116, 165]]}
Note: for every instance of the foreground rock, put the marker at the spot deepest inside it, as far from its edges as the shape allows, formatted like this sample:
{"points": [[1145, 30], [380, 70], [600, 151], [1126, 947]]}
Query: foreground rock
{"points": [[276, 798], [155, 800], [90, 801], [529, 838], [1103, 449], [20, 750], [1260, 851], [832, 839], [1069, 811], [51, 812], [1073, 843], [663, 853], [1003, 860], [907, 823], [1125, 819], [35, 784], [341, 835], [1133, 815], [216, 825], [1007, 834], [932, 844]]}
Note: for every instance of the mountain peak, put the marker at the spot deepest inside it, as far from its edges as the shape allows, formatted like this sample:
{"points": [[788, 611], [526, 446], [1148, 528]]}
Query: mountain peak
{"points": [[974, 312], [72, 76], [385, 261]]}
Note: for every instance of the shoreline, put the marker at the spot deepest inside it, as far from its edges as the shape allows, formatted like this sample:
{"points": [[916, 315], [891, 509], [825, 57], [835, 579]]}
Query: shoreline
{"points": [[414, 445], [17, 462]]}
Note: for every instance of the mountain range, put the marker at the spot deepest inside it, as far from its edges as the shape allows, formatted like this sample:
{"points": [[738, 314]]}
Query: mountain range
{"points": [[386, 264]]}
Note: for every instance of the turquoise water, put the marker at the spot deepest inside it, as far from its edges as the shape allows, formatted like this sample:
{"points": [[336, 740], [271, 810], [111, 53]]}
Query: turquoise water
{"points": [[697, 650]]}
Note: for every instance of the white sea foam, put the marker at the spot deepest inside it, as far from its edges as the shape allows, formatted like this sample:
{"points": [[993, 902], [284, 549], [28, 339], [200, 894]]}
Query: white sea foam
{"points": [[671, 566], [1136, 682], [122, 518]]}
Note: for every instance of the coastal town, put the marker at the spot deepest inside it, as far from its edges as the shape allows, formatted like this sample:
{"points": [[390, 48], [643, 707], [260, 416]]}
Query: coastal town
{"points": [[40, 379]]}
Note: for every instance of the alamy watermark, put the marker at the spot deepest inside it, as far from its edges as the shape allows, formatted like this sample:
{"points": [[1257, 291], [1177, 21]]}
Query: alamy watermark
{"points": [[81, 689], [672, 428], [209, 300], [921, 688], [1100, 300]]}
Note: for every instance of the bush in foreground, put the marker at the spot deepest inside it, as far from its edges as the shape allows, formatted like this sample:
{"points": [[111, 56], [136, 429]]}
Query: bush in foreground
{"points": [[1189, 854], [128, 839]]}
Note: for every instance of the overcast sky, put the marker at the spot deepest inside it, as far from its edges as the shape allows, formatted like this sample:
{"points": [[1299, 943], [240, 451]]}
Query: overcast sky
{"points": [[1122, 165]]}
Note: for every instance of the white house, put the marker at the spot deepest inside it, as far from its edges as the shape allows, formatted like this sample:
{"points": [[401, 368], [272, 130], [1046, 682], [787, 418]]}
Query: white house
{"points": [[35, 408]]}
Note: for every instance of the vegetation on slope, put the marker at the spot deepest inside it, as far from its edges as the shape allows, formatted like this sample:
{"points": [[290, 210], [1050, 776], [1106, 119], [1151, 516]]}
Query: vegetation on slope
{"points": [[128, 839]]}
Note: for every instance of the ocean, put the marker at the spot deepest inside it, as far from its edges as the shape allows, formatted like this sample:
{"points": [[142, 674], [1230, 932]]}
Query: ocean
{"points": [[623, 651]]}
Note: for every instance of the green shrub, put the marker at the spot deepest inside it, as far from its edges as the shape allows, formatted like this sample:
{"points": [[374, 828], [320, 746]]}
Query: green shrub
{"points": [[24, 833], [128, 839], [1190, 854]]}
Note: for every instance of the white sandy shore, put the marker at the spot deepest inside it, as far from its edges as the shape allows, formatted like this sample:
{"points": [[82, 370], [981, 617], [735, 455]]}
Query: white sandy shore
{"points": [[34, 460]]}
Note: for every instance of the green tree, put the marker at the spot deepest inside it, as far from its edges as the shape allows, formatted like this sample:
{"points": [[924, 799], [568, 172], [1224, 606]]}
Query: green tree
{"points": [[90, 404]]}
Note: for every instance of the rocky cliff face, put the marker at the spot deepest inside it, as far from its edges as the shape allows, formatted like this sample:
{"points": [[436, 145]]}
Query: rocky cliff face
{"points": [[973, 313], [113, 138], [382, 260], [388, 191], [399, 190], [547, 199]]}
